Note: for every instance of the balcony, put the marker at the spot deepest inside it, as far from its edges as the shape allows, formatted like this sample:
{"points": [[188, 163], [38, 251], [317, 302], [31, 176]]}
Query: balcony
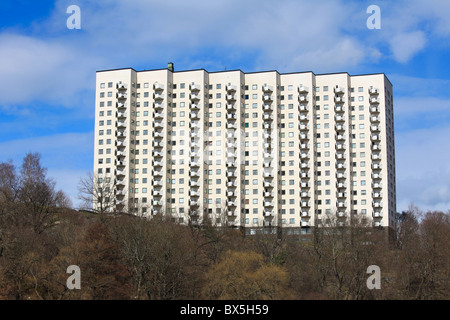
{"points": [[341, 204], [120, 173], [339, 118], [194, 87], [231, 126], [194, 184], [231, 107], [121, 96], [339, 90], [377, 195], [305, 194], [377, 214], [120, 192], [305, 223], [339, 137], [374, 109], [339, 99], [121, 124], [157, 183], [268, 126], [158, 135], [305, 204], [157, 154], [158, 124], [194, 106], [120, 183], [267, 88], [231, 184], [158, 86], [157, 144], [304, 175], [269, 204], [121, 115], [194, 193], [230, 88], [230, 97], [193, 203], [267, 107], [340, 214], [341, 175], [231, 116], [306, 213], [157, 203], [304, 145], [376, 176], [121, 144], [268, 174], [157, 173], [375, 137], [195, 125], [268, 194], [120, 154], [158, 115], [377, 185], [121, 105], [303, 89], [375, 119], [305, 184], [232, 194], [303, 117], [157, 193], [376, 166], [341, 195], [231, 174], [304, 155], [302, 99], [339, 127], [231, 164], [303, 108], [303, 127], [374, 128], [374, 100], [377, 204], [194, 97], [341, 166], [373, 91], [341, 156], [194, 174], [120, 163], [231, 203], [267, 97], [195, 115], [268, 184], [268, 116], [340, 146], [158, 164], [340, 185], [339, 108], [376, 156], [231, 213], [122, 86], [304, 165], [304, 136], [194, 164], [158, 106], [158, 96]]}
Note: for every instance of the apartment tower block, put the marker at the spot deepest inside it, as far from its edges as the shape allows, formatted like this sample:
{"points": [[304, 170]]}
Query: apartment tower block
{"points": [[247, 149]]}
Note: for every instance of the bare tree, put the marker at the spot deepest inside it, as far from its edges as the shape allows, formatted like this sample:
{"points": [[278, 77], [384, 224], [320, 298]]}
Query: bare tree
{"points": [[97, 193]]}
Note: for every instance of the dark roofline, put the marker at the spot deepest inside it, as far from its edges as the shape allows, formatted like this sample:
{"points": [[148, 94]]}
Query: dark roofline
{"points": [[239, 70]]}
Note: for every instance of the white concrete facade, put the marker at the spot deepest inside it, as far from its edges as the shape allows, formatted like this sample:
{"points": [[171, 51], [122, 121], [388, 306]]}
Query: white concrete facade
{"points": [[247, 149]]}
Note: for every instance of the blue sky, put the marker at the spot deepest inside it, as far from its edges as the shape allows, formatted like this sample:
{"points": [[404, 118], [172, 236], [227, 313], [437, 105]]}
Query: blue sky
{"points": [[47, 71]]}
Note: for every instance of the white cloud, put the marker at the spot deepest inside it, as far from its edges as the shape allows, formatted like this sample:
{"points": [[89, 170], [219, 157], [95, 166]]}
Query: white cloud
{"points": [[423, 172], [42, 70], [405, 45]]}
